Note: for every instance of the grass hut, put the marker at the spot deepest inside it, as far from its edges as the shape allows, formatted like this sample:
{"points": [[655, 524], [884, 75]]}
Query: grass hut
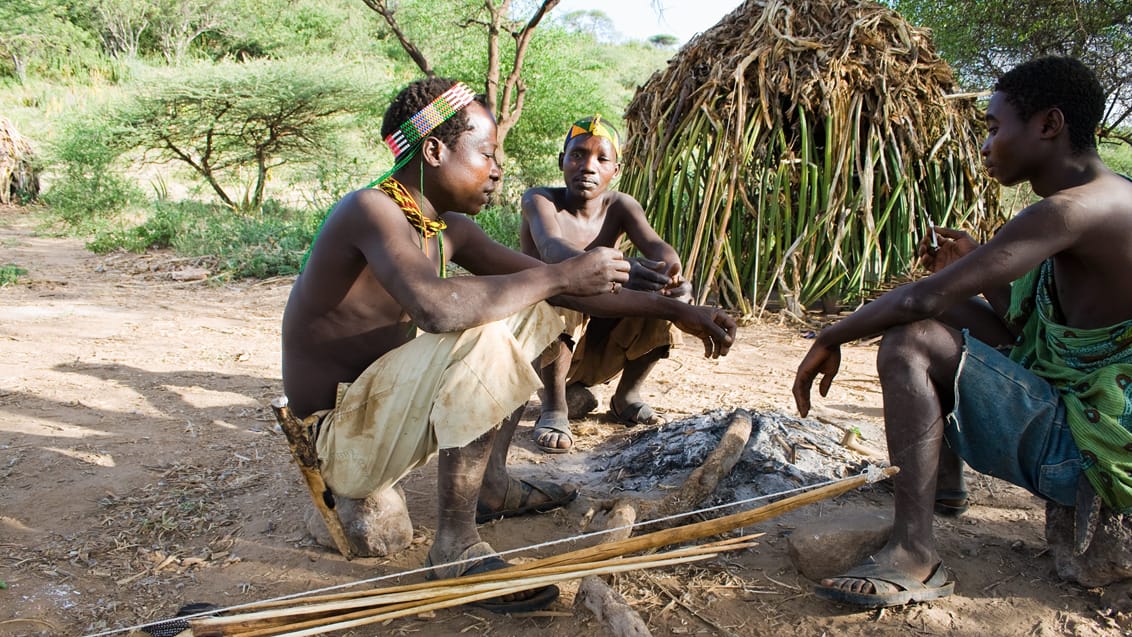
{"points": [[798, 150], [19, 179]]}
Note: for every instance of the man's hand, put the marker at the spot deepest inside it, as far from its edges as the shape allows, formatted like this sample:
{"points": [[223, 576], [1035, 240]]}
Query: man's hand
{"points": [[711, 325], [819, 360], [647, 275], [952, 246], [677, 288], [597, 271]]}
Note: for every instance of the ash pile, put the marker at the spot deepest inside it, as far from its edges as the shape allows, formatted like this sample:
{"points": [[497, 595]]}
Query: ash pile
{"points": [[782, 453]]}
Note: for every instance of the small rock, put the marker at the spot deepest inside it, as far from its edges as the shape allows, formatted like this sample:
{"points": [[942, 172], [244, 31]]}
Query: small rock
{"points": [[835, 543], [190, 274], [1109, 556], [376, 526]]}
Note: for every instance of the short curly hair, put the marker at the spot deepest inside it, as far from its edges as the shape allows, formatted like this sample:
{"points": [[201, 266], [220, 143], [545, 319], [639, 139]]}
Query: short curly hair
{"points": [[418, 95], [1060, 82]]}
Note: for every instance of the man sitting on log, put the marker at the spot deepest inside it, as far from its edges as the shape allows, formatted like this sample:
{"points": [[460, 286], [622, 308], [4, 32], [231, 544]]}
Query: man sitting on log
{"points": [[1033, 382], [561, 223], [401, 362]]}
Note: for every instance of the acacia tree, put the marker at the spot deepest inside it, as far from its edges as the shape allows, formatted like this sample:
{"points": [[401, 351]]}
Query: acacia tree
{"points": [[982, 39], [231, 121], [505, 95]]}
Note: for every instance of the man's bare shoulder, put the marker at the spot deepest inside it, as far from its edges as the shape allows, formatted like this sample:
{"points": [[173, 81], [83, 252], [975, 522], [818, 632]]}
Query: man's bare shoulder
{"points": [[534, 197], [620, 203]]}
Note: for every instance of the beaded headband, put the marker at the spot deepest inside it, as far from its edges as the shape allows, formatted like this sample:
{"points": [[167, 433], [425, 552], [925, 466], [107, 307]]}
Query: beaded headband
{"points": [[428, 118], [596, 127]]}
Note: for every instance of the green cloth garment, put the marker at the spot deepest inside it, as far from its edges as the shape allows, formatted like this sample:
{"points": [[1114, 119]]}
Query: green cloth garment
{"points": [[1092, 368]]}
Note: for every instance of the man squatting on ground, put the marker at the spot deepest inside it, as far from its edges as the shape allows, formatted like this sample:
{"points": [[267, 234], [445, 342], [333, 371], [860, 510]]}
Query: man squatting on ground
{"points": [[1032, 383], [391, 398], [560, 223]]}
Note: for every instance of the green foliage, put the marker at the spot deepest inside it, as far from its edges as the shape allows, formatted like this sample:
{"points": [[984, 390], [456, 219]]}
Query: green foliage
{"points": [[38, 37], [91, 188], [1118, 156], [232, 124], [982, 39], [569, 77], [501, 223], [270, 243], [10, 273]]}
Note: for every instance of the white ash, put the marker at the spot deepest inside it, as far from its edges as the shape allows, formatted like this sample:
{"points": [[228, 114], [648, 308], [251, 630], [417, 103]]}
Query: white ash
{"points": [[782, 454]]}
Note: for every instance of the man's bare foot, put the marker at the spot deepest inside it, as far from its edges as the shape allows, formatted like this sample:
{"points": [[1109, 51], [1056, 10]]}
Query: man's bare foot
{"points": [[552, 432]]}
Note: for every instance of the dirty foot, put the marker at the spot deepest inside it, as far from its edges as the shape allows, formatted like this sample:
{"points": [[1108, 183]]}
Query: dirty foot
{"points": [[523, 496], [634, 413], [872, 584], [552, 432]]}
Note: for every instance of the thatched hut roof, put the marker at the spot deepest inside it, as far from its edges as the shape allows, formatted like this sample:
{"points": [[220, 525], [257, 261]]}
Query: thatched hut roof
{"points": [[773, 144], [19, 178]]}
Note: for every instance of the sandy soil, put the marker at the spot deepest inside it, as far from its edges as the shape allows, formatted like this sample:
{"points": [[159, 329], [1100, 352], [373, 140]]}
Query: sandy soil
{"points": [[140, 470]]}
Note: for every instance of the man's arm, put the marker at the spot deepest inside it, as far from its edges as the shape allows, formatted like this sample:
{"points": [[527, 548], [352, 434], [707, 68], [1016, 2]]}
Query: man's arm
{"points": [[631, 217], [481, 255], [540, 220], [1035, 234], [375, 226]]}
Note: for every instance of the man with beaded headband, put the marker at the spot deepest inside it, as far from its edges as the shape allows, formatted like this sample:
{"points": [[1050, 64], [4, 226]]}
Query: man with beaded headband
{"points": [[402, 363], [560, 223]]}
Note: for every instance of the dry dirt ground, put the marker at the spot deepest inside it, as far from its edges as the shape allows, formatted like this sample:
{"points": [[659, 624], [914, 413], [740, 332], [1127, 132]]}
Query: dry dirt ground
{"points": [[140, 470]]}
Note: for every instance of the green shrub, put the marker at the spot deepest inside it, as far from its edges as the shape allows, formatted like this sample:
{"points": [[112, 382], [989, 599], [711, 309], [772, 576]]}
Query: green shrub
{"points": [[501, 224], [1118, 156], [10, 273], [90, 190], [271, 243]]}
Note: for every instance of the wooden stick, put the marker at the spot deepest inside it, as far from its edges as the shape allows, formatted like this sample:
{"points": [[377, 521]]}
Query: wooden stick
{"points": [[307, 459], [457, 596], [702, 482], [485, 581]]}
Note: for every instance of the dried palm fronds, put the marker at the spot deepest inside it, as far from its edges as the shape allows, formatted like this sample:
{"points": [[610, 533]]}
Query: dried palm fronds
{"points": [[18, 175], [800, 148]]}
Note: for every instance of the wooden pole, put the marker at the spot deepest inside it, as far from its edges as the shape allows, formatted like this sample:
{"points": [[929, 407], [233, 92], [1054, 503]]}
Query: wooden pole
{"points": [[307, 458]]}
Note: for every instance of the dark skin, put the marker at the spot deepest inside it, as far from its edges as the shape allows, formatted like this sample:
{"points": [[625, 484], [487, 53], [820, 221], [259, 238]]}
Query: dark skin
{"points": [[368, 281], [1084, 222], [562, 223]]}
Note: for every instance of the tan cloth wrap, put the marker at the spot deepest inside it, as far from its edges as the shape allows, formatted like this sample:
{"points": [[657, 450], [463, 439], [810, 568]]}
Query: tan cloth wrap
{"points": [[437, 391], [597, 360]]}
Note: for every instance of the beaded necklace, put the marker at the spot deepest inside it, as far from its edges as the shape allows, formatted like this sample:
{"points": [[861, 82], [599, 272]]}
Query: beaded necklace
{"points": [[427, 228]]}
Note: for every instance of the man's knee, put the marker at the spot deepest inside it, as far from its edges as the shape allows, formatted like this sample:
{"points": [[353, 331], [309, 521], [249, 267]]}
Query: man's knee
{"points": [[902, 343]]}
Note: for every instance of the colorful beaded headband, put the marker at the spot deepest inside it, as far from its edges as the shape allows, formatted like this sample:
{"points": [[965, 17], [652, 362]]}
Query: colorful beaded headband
{"points": [[596, 127], [424, 122]]}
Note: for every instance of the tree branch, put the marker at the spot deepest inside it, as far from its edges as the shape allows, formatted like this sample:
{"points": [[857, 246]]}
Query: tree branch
{"points": [[382, 7]]}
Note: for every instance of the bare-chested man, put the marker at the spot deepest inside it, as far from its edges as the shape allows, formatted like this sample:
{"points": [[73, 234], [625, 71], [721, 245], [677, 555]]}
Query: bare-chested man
{"points": [[403, 362], [1032, 383], [561, 223]]}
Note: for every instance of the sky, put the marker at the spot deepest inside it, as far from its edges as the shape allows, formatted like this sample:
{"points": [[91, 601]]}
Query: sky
{"points": [[637, 19]]}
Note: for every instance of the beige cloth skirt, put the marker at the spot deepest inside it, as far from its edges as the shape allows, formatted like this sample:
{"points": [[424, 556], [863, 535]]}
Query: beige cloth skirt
{"points": [[438, 391]]}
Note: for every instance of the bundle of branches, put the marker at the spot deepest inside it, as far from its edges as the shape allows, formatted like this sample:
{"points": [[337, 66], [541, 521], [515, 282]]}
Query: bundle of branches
{"points": [[298, 616], [800, 148], [18, 175]]}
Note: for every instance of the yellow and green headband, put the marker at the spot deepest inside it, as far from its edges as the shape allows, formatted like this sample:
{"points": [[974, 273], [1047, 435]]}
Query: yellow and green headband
{"points": [[596, 127]]}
